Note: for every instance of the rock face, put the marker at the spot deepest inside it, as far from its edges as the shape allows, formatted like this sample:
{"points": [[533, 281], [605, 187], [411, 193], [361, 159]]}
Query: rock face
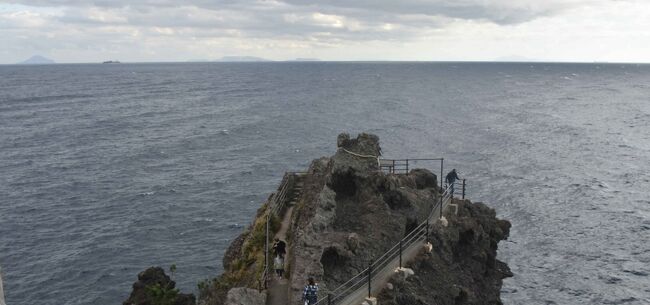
{"points": [[245, 296], [462, 268], [350, 212], [353, 213], [152, 277]]}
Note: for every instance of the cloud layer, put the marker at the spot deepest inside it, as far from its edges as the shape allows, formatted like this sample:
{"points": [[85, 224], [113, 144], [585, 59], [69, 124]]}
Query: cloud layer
{"points": [[174, 30]]}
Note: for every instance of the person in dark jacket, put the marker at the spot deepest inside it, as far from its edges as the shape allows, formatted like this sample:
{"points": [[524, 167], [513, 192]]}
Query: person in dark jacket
{"points": [[279, 247], [451, 178], [310, 293]]}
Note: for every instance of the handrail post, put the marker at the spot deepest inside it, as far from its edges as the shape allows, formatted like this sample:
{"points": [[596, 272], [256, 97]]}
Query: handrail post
{"points": [[407, 166], [427, 228], [393, 168], [400, 253], [463, 189], [369, 278], [442, 161]]}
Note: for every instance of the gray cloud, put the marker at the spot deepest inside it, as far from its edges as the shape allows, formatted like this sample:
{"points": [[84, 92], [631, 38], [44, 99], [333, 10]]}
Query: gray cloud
{"points": [[109, 26], [497, 11]]}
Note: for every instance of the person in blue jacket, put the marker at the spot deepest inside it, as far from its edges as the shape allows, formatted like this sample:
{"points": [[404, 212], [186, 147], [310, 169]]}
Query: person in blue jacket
{"points": [[310, 293]]}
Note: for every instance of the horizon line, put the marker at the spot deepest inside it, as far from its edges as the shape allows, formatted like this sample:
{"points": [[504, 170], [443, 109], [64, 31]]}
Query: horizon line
{"points": [[332, 61]]}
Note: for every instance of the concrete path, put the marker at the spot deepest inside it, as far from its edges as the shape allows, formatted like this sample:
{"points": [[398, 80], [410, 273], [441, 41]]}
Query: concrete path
{"points": [[278, 291], [381, 278]]}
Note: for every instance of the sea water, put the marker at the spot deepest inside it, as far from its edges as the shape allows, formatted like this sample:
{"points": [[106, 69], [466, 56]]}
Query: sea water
{"points": [[106, 170]]}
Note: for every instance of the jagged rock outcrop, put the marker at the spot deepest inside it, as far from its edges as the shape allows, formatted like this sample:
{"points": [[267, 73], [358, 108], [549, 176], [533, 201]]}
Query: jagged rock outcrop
{"points": [[350, 212], [353, 213], [153, 287], [462, 268]]}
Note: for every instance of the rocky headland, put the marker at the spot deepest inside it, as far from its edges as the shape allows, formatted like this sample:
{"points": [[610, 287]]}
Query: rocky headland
{"points": [[349, 212]]}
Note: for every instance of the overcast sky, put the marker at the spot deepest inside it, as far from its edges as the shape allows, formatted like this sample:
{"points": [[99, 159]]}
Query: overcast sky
{"points": [[168, 30]]}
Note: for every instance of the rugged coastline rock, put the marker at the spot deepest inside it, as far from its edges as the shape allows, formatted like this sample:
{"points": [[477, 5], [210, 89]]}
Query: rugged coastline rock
{"points": [[154, 287], [462, 266], [349, 212]]}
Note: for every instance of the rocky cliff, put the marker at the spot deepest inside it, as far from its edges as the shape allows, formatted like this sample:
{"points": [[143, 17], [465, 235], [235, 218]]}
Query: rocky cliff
{"points": [[349, 213], [462, 267], [154, 287]]}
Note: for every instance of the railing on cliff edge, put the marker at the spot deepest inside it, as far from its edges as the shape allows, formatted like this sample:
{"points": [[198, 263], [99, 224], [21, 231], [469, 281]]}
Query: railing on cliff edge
{"points": [[392, 166], [275, 206], [402, 166], [380, 265]]}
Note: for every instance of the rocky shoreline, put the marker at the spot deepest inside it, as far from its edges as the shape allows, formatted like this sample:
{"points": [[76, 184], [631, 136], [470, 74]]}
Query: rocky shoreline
{"points": [[348, 213]]}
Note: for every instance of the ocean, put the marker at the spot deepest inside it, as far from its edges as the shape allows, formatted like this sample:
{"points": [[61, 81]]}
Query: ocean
{"points": [[106, 170]]}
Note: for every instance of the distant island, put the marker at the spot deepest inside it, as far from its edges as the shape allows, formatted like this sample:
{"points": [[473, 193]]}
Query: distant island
{"points": [[250, 59], [242, 59], [112, 62], [37, 60]]}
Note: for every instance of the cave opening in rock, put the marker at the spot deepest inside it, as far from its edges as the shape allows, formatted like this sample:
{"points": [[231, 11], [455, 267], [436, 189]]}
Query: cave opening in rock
{"points": [[343, 183]]}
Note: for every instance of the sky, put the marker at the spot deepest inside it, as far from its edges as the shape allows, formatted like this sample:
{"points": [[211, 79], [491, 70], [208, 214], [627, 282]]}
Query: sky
{"points": [[411, 30]]}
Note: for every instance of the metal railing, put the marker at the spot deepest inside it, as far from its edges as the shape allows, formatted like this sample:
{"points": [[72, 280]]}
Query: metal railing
{"points": [[402, 166], [276, 206], [458, 183], [379, 266]]}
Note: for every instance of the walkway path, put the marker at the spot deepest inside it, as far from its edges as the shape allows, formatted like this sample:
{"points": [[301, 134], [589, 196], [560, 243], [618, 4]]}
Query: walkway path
{"points": [[278, 291], [356, 289], [380, 279]]}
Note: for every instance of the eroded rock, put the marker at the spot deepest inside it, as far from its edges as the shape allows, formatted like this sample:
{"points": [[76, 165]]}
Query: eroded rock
{"points": [[245, 296], [155, 277]]}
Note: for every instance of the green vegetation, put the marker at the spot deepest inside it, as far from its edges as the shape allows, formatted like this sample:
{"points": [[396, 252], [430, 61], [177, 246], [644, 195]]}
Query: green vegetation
{"points": [[248, 266], [162, 295]]}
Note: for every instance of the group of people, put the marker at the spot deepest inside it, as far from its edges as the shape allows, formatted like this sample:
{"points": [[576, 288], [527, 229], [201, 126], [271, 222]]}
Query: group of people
{"points": [[310, 292], [279, 251]]}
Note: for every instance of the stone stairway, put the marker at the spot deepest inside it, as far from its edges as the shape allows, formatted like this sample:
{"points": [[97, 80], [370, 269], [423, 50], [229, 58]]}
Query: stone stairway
{"points": [[297, 190]]}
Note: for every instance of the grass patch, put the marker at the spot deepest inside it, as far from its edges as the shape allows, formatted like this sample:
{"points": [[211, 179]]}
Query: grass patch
{"points": [[247, 268]]}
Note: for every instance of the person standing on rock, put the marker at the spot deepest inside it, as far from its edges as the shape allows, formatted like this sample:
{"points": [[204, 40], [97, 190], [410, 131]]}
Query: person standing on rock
{"points": [[279, 247], [451, 178], [310, 293], [278, 265]]}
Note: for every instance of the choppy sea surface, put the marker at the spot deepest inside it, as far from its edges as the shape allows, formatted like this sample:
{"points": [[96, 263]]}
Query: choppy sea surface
{"points": [[108, 169]]}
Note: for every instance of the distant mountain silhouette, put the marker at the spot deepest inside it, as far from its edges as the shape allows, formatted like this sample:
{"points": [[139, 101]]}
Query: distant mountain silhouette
{"points": [[304, 59], [37, 60], [242, 59]]}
